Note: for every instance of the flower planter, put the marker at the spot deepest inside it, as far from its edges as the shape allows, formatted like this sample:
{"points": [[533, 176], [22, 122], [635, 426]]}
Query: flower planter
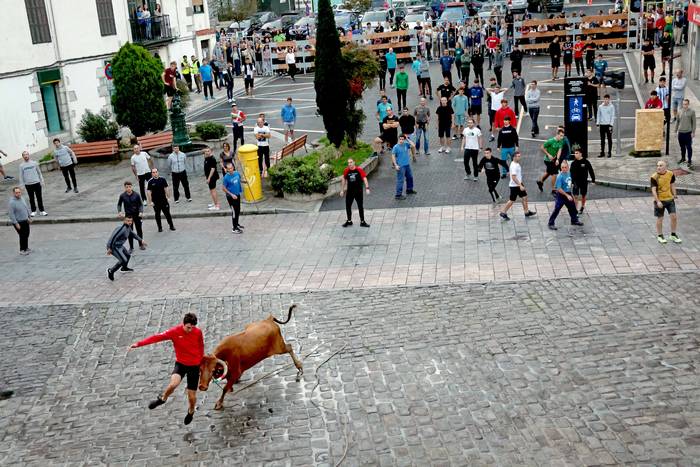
{"points": [[48, 166], [334, 185]]}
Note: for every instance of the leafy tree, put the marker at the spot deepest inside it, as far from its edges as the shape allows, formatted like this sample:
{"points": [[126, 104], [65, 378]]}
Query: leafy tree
{"points": [[138, 90], [97, 127], [330, 81], [360, 67], [240, 10]]}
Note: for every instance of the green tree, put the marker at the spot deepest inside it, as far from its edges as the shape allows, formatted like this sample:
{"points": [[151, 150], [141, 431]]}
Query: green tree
{"points": [[138, 90], [330, 82], [360, 67]]}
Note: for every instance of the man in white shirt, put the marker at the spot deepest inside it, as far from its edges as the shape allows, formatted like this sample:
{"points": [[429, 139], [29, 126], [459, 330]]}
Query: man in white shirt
{"points": [[517, 189], [141, 167], [497, 93], [262, 136], [471, 144], [291, 61]]}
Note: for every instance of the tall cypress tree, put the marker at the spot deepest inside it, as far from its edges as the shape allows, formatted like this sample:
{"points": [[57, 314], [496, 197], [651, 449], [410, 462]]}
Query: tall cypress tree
{"points": [[329, 81], [138, 90]]}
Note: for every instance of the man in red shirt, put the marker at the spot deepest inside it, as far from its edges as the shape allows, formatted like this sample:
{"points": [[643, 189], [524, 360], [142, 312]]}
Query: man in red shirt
{"points": [[189, 349], [654, 102], [578, 55], [169, 79], [501, 114], [492, 43]]}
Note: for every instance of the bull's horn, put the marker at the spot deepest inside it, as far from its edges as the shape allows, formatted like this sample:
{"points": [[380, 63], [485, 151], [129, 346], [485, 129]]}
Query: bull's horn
{"points": [[223, 363]]}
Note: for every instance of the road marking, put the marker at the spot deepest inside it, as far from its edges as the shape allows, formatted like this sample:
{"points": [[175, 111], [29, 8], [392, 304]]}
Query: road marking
{"points": [[296, 99], [286, 91]]}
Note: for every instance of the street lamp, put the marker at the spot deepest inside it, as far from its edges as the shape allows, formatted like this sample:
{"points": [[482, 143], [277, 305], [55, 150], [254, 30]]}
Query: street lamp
{"points": [[670, 79]]}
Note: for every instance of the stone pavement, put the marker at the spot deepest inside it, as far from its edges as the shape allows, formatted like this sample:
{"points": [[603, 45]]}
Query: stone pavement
{"points": [[588, 371], [296, 252]]}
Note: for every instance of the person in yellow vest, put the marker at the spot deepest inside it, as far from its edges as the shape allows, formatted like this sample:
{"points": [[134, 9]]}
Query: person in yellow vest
{"points": [[663, 189], [195, 74], [186, 71]]}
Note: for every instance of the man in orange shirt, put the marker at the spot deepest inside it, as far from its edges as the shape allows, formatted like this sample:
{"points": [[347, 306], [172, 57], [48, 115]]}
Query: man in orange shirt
{"points": [[188, 342]]}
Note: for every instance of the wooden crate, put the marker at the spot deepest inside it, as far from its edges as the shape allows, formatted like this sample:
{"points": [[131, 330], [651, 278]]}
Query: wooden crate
{"points": [[649, 130]]}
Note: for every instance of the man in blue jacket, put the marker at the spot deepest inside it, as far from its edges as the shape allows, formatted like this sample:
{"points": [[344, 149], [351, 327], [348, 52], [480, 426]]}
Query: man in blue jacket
{"points": [[391, 65], [233, 190], [207, 75], [289, 118]]}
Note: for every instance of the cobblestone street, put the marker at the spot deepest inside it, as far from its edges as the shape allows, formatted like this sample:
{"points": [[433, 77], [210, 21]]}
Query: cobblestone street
{"points": [[596, 371]]}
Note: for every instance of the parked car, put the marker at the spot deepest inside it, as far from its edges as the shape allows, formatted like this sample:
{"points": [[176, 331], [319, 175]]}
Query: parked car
{"points": [[454, 12], [517, 6], [346, 21], [264, 16], [412, 18], [376, 18], [301, 27]]}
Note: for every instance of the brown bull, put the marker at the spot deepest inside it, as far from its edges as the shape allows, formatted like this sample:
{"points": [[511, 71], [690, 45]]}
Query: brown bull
{"points": [[236, 353]]}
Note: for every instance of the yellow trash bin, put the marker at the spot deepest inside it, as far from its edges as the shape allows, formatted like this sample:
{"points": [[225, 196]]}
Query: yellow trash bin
{"points": [[250, 173]]}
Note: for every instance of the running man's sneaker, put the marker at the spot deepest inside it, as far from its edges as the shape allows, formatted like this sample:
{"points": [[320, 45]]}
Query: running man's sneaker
{"points": [[33, 213], [552, 227], [347, 224], [177, 201], [476, 179], [504, 216], [580, 211], [237, 231], [75, 190], [68, 191], [189, 200], [44, 213], [540, 185], [491, 138], [364, 224], [110, 274], [427, 153], [210, 205], [188, 418], [466, 177], [172, 228], [454, 136], [675, 238], [661, 239], [579, 223], [127, 269], [145, 203], [447, 150], [530, 213], [441, 149], [411, 192], [156, 403]]}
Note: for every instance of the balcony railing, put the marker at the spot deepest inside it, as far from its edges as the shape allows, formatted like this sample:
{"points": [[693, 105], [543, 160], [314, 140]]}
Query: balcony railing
{"points": [[153, 29]]}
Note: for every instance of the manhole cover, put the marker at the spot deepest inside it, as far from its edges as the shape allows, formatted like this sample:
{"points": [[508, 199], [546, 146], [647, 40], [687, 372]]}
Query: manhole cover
{"points": [[678, 172]]}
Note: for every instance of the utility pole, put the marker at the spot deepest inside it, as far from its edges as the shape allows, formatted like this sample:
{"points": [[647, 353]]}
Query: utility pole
{"points": [[618, 123], [669, 83]]}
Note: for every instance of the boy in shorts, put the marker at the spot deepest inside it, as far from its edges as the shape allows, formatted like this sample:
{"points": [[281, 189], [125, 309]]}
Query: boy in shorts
{"points": [[663, 189], [517, 189], [580, 170]]}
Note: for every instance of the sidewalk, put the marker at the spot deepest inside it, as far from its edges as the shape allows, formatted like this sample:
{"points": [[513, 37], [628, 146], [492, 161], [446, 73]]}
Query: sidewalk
{"points": [[633, 172]]}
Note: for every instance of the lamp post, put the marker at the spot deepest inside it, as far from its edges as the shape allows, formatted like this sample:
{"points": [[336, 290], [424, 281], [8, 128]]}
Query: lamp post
{"points": [[670, 80]]}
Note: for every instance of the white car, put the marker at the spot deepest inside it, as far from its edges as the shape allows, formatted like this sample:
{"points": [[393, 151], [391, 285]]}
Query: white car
{"points": [[412, 19], [376, 18]]}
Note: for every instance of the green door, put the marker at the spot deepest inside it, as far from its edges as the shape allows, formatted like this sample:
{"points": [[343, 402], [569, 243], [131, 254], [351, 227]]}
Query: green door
{"points": [[53, 116]]}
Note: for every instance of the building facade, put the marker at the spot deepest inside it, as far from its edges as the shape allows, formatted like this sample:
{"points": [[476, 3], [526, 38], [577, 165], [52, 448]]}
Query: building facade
{"points": [[54, 65]]}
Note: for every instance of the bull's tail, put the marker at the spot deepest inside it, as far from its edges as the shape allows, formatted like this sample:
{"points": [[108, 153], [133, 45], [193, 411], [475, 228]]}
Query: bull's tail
{"points": [[289, 316]]}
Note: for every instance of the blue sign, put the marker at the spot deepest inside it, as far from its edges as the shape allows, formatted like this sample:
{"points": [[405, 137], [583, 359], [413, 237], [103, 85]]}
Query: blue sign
{"points": [[575, 109]]}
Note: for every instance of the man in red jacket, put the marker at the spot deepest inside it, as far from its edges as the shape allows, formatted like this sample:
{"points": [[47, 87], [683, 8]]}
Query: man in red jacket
{"points": [[501, 114], [189, 349]]}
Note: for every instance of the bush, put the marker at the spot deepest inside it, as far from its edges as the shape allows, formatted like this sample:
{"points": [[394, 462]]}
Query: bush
{"points": [[210, 130], [97, 127], [48, 157]]}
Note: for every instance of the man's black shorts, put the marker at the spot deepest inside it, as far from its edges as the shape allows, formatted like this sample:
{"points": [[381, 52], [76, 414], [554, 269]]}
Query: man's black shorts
{"points": [[580, 190], [192, 373], [552, 167], [649, 64], [515, 191], [443, 132], [475, 110]]}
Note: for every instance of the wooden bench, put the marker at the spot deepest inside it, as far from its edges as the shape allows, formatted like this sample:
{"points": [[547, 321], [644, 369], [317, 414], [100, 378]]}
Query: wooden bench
{"points": [[289, 149], [157, 140], [545, 45], [95, 149]]}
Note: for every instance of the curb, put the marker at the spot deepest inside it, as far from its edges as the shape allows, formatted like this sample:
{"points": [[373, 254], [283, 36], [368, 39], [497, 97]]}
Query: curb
{"points": [[641, 187], [190, 215]]}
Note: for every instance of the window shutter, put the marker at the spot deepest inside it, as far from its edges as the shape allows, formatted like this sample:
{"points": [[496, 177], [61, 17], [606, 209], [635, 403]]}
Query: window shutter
{"points": [[38, 21], [105, 16]]}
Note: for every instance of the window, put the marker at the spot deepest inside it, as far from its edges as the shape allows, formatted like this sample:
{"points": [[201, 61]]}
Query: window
{"points": [[105, 15], [49, 81], [38, 21], [198, 6]]}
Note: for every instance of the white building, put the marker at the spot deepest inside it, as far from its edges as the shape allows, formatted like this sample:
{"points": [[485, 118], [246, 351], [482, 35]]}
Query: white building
{"points": [[52, 66]]}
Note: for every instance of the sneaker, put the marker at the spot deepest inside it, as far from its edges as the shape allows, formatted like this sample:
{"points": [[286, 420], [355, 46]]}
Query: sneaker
{"points": [[491, 138], [188, 418], [476, 179], [602, 155], [110, 274], [675, 238], [578, 223], [540, 185], [347, 224], [411, 192], [160, 229], [466, 177], [189, 200], [212, 208], [210, 205], [44, 213], [441, 149], [364, 224], [25, 252], [75, 190], [454, 136], [156, 403], [172, 228], [552, 227], [504, 216], [142, 247], [177, 201], [399, 197], [580, 211], [681, 161], [127, 269], [497, 195], [447, 150], [661, 239], [237, 231], [530, 213], [33, 213], [145, 203], [427, 153], [68, 191]]}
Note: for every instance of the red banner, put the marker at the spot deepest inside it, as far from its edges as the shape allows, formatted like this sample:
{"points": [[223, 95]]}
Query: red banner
{"points": [[694, 13]]}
